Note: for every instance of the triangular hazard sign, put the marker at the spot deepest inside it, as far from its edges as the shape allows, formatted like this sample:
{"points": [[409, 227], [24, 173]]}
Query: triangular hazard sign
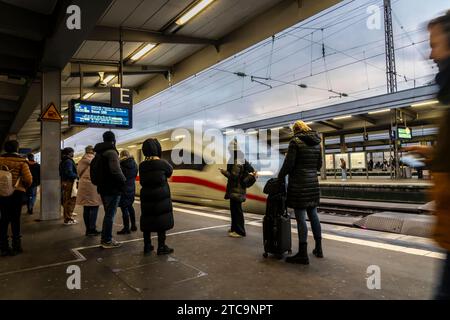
{"points": [[51, 114]]}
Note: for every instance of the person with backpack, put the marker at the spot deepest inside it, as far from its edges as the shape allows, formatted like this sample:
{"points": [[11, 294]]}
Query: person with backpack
{"points": [[301, 164], [156, 202], [110, 181], [68, 174], [88, 196], [15, 178], [130, 171], [35, 170], [238, 171]]}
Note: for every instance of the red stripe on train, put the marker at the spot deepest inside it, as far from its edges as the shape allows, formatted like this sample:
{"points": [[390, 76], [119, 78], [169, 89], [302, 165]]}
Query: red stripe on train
{"points": [[211, 185]]}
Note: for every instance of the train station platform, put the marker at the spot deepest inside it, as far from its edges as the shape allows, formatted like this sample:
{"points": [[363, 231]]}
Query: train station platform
{"points": [[207, 264]]}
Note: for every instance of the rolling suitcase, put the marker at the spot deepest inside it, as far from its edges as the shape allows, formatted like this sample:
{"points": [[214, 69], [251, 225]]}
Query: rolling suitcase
{"points": [[276, 222]]}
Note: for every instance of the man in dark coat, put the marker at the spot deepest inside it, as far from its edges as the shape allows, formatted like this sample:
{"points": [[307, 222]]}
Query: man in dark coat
{"points": [[302, 162], [156, 202], [110, 184], [237, 169], [130, 171]]}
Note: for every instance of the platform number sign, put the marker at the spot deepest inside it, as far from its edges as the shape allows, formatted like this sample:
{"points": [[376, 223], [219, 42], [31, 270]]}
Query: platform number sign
{"points": [[121, 97]]}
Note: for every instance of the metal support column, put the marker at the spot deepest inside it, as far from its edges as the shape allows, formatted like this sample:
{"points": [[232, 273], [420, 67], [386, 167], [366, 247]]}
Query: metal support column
{"points": [[50, 148], [391, 71]]}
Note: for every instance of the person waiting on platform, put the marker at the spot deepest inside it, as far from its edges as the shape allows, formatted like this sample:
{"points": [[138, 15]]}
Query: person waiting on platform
{"points": [[68, 174], [88, 196], [110, 181], [343, 169], [156, 202], [237, 170], [301, 164], [439, 29], [12, 191], [130, 171], [35, 170]]}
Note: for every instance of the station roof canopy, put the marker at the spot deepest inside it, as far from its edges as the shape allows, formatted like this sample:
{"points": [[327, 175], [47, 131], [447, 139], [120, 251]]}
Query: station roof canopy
{"points": [[161, 46]]}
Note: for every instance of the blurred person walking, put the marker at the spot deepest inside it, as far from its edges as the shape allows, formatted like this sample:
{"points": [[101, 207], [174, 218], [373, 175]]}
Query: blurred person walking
{"points": [[88, 196], [15, 178], [130, 171], [301, 164], [438, 158], [156, 202]]}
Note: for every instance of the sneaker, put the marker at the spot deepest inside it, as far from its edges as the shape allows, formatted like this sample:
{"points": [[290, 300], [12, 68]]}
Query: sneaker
{"points": [[74, 214], [111, 244], [164, 250], [234, 235], [70, 222], [124, 231]]}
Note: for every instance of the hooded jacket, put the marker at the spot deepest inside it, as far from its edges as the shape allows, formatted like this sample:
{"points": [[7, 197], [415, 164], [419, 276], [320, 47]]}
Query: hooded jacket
{"points": [[156, 202], [302, 162], [130, 171], [236, 171], [112, 179], [87, 192], [19, 169], [68, 169]]}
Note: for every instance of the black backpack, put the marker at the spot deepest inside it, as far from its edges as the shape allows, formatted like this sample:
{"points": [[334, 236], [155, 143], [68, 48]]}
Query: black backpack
{"points": [[97, 169]]}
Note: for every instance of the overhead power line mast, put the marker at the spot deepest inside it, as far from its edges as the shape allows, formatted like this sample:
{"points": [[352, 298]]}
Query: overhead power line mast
{"points": [[391, 72]]}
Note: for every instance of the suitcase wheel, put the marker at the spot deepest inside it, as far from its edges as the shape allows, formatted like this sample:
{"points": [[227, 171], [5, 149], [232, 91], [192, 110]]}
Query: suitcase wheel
{"points": [[265, 255]]}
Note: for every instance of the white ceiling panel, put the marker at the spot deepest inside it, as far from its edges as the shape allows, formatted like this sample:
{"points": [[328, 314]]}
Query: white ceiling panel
{"points": [[166, 13], [144, 12], [89, 49], [119, 11]]}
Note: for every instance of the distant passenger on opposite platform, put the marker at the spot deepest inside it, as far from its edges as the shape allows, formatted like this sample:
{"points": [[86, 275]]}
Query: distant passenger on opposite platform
{"points": [[302, 162], [15, 178], [156, 202], [110, 181], [343, 169], [68, 174], [130, 171], [31, 193], [439, 29], [238, 171], [88, 196]]}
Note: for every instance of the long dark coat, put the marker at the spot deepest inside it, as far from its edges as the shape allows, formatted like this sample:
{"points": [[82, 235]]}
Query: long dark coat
{"points": [[130, 171]]}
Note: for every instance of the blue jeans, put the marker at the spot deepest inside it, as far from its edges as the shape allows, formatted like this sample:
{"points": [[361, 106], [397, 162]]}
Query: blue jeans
{"points": [[110, 204], [31, 198], [443, 292], [300, 215], [90, 217], [344, 174]]}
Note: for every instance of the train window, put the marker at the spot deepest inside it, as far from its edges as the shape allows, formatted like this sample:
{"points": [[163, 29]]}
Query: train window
{"points": [[167, 155]]}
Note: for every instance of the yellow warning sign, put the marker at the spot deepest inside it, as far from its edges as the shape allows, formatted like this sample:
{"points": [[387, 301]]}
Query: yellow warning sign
{"points": [[51, 114]]}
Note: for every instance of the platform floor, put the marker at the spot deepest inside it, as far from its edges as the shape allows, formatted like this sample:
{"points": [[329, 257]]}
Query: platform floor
{"points": [[207, 264]]}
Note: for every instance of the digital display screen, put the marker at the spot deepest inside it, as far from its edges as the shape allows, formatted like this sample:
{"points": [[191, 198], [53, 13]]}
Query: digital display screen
{"points": [[404, 133], [95, 114]]}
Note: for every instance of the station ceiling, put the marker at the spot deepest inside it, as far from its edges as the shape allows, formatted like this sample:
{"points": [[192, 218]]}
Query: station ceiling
{"points": [[38, 39]]}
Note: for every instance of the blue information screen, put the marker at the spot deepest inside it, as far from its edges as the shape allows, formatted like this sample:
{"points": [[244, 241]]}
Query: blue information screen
{"points": [[94, 114]]}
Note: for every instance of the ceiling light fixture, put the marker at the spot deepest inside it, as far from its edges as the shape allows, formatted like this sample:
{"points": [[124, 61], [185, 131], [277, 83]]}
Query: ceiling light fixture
{"points": [[193, 12], [422, 104], [380, 111], [144, 50], [88, 95], [342, 118], [109, 78]]}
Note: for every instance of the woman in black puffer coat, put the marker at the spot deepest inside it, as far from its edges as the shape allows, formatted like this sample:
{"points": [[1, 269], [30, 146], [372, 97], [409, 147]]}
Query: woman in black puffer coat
{"points": [[156, 202], [302, 162], [129, 169]]}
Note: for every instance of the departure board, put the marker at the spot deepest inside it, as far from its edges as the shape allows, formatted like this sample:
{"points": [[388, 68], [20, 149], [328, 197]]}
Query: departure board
{"points": [[96, 114]]}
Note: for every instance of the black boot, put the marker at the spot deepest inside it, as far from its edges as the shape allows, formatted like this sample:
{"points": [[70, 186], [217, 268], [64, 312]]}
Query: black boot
{"points": [[164, 250], [148, 248], [318, 249], [133, 228], [124, 231], [301, 257], [16, 247], [5, 250]]}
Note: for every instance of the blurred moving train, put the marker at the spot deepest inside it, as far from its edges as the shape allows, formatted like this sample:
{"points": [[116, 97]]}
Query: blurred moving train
{"points": [[201, 182]]}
